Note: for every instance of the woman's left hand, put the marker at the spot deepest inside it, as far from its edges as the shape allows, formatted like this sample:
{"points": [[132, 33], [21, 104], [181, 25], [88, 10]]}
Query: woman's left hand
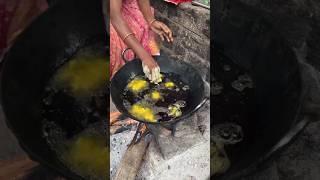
{"points": [[162, 30]]}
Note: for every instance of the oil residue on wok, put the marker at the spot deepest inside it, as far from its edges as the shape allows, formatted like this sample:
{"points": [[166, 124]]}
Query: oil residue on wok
{"points": [[156, 102], [233, 106], [75, 115]]}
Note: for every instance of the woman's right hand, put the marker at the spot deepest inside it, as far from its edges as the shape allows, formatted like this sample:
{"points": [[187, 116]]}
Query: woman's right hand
{"points": [[151, 70]]}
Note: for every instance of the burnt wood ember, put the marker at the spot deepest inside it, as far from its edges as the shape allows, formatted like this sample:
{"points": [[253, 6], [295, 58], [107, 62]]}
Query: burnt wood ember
{"points": [[119, 123]]}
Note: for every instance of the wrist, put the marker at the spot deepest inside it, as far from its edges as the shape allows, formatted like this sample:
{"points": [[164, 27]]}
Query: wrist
{"points": [[126, 36], [150, 22], [146, 58]]}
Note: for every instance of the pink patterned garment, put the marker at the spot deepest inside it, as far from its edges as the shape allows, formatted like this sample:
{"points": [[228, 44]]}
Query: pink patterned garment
{"points": [[133, 16], [15, 15]]}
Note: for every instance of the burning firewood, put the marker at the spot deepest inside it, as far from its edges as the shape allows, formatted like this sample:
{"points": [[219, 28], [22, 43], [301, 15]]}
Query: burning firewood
{"points": [[119, 124], [132, 159]]}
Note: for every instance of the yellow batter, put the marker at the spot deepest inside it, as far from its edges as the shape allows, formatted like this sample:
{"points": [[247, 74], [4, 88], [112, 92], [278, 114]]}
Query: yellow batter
{"points": [[137, 85], [83, 75], [155, 95], [169, 85], [88, 155], [141, 112]]}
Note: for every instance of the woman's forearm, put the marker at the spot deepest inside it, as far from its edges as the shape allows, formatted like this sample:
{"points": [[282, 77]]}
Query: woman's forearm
{"points": [[123, 29], [145, 8]]}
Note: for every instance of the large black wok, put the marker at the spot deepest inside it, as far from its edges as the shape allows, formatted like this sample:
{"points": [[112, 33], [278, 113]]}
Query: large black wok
{"points": [[247, 37], [188, 75], [46, 44]]}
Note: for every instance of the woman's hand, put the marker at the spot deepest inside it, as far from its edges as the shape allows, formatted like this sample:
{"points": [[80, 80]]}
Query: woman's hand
{"points": [[162, 30], [151, 70], [156, 26]]}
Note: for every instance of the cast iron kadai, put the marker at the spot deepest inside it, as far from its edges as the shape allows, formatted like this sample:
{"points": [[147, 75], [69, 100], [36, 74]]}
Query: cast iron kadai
{"points": [[188, 75]]}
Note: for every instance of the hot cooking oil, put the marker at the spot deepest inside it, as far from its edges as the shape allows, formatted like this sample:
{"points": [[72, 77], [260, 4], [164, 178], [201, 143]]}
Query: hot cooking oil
{"points": [[169, 85], [87, 155], [155, 102], [83, 76]]}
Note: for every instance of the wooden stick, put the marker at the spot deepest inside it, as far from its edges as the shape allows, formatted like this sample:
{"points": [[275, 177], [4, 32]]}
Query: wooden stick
{"points": [[114, 117], [118, 129], [132, 160]]}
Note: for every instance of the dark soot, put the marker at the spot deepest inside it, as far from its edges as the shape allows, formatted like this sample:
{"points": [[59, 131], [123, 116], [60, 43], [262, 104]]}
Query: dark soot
{"points": [[73, 115]]}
